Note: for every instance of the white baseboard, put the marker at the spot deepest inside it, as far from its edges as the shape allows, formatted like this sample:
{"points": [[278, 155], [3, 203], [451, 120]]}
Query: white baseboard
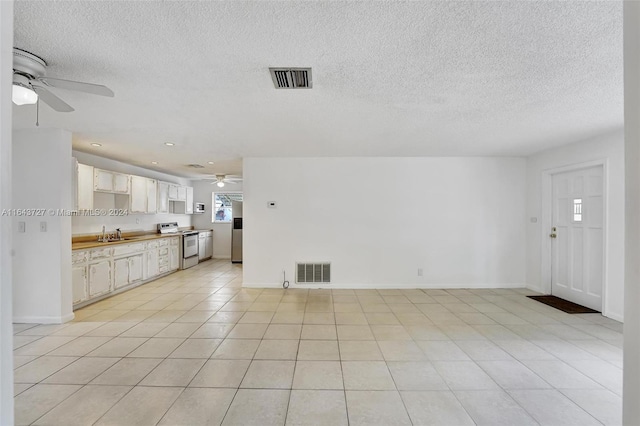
{"points": [[44, 320], [366, 286]]}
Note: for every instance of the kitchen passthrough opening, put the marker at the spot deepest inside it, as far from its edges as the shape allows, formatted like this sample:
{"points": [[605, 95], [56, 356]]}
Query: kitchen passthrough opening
{"points": [[222, 211]]}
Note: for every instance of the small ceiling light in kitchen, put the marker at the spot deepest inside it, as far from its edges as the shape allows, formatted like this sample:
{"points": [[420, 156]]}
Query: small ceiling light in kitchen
{"points": [[220, 184], [169, 144], [22, 92], [154, 162], [209, 162], [96, 144]]}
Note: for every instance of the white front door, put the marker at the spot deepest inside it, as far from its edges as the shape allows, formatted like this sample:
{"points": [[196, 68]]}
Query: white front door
{"points": [[577, 247]]}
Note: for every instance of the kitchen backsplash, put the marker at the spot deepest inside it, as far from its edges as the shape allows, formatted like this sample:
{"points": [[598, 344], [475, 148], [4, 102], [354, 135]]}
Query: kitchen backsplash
{"points": [[138, 222]]}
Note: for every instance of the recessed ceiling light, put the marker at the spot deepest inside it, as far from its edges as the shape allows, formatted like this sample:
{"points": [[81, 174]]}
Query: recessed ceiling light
{"points": [[209, 162], [154, 162], [169, 143], [96, 144]]}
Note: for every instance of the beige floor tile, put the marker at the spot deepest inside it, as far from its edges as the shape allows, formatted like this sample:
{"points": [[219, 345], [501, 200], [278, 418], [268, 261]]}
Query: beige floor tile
{"points": [[43, 345], [81, 371], [354, 332], [20, 360], [269, 375], [283, 331], [133, 316], [173, 372], [318, 350], [382, 318], [145, 329], [263, 307], [247, 331], [550, 407], [317, 407], [212, 331], [196, 348], [39, 399], [319, 318], [41, 330], [318, 375], [258, 407], [189, 409], [236, 349], [350, 318], [368, 408], [85, 406], [367, 375], [199, 317], [277, 349], [390, 332], [127, 371], [221, 374], [357, 350], [425, 332], [287, 317], [464, 375], [156, 347], [256, 318], [225, 317], [41, 368], [18, 388], [442, 350], [141, 406], [111, 329], [118, 347], [347, 307], [404, 350], [318, 332], [416, 376], [20, 341], [185, 329], [435, 408], [375, 307], [80, 346], [166, 316]]}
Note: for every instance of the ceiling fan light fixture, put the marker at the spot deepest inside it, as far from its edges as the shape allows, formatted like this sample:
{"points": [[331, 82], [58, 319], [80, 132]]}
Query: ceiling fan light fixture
{"points": [[220, 184], [22, 93]]}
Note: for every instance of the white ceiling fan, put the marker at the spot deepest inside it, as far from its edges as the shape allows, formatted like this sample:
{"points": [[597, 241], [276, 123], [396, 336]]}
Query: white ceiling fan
{"points": [[221, 179], [31, 83]]}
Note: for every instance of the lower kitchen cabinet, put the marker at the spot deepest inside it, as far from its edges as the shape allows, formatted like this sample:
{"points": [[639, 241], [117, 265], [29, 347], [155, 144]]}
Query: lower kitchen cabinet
{"points": [[79, 283], [99, 278], [97, 272]]}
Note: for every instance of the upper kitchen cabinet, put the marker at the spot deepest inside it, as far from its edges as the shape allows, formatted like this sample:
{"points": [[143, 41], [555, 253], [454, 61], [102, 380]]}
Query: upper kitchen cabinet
{"points": [[173, 192], [84, 187], [143, 195], [188, 207], [106, 181], [163, 197], [182, 193]]}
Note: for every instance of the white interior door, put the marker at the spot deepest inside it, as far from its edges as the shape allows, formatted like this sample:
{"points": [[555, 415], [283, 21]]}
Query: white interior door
{"points": [[577, 247]]}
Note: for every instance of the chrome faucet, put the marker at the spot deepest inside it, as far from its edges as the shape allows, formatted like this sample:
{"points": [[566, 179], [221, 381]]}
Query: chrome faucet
{"points": [[118, 234]]}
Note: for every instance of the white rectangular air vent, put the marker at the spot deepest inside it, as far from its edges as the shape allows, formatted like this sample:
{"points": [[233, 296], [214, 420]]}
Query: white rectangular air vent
{"points": [[291, 78], [313, 273]]}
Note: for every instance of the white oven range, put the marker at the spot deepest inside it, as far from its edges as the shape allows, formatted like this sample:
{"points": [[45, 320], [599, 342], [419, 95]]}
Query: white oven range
{"points": [[188, 246]]}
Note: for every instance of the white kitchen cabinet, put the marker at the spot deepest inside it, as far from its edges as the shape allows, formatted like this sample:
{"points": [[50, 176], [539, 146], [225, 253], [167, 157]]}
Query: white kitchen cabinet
{"points": [[84, 187], [182, 193], [106, 181], [189, 200], [173, 191], [152, 200], [209, 245], [79, 283], [163, 197], [121, 272], [174, 259], [99, 278], [153, 266], [135, 268], [138, 198]]}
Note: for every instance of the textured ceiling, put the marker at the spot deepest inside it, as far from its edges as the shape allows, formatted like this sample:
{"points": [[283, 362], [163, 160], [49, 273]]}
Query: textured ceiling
{"points": [[389, 78]]}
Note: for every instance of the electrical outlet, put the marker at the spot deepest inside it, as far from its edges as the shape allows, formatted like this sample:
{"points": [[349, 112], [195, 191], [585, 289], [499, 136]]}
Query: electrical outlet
{"points": [[420, 272], [43, 226], [22, 227]]}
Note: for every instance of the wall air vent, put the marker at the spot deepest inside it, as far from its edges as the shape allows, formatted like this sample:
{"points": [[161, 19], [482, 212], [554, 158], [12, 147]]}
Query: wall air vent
{"points": [[291, 78], [195, 166], [313, 273]]}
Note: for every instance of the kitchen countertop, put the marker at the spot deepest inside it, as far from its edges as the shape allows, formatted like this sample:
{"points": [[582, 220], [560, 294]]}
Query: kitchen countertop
{"points": [[81, 245]]}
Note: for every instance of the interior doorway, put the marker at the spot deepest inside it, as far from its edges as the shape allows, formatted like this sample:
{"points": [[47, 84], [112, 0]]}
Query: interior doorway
{"points": [[578, 236]]}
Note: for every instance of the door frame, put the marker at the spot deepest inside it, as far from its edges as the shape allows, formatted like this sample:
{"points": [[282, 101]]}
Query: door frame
{"points": [[546, 222]]}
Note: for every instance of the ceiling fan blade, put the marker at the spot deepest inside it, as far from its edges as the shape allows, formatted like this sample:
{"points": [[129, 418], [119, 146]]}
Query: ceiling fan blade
{"points": [[52, 100], [95, 89]]}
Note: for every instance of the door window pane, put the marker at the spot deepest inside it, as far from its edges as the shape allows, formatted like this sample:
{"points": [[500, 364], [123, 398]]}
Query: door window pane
{"points": [[222, 205], [577, 209]]}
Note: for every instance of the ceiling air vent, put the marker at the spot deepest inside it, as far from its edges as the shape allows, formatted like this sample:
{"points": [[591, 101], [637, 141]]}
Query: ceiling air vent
{"points": [[291, 78], [195, 166], [313, 273]]}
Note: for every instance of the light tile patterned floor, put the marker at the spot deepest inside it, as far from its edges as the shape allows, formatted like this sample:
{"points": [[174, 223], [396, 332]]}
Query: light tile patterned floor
{"points": [[194, 348]]}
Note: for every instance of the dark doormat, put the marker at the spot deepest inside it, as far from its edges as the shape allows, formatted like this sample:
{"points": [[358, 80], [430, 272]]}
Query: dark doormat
{"points": [[564, 305]]}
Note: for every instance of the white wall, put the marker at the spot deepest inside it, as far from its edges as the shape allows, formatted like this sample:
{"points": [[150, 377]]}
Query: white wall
{"points": [[6, 329], [133, 222], [631, 368], [609, 148], [378, 220], [221, 231], [42, 179]]}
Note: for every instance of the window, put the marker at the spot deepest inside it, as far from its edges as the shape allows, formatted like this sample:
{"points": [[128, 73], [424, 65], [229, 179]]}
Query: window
{"points": [[577, 209], [222, 207]]}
